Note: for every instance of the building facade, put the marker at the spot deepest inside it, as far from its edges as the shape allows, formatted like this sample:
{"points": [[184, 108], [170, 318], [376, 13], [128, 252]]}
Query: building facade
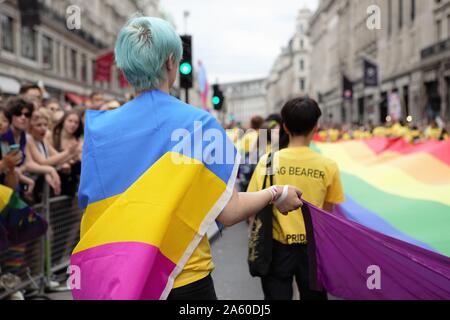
{"points": [[289, 76], [410, 49], [42, 42], [245, 99]]}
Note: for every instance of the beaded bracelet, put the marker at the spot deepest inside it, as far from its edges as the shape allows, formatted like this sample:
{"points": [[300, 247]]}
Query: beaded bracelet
{"points": [[274, 192]]}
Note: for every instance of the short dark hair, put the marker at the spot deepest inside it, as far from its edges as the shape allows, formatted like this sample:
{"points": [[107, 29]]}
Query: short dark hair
{"points": [[301, 115], [256, 122], [4, 111], [274, 117], [95, 93], [29, 86], [16, 105]]}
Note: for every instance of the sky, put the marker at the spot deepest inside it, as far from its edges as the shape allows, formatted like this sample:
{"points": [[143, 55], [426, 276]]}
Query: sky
{"points": [[236, 39]]}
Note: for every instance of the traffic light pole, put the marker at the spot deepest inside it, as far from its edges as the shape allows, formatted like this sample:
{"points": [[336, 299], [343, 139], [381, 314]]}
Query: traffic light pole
{"points": [[186, 95]]}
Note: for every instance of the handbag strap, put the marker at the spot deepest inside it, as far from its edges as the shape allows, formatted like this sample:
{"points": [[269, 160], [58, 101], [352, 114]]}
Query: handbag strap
{"points": [[269, 171]]}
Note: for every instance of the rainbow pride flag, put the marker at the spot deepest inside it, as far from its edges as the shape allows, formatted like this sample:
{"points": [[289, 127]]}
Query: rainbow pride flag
{"points": [[396, 188], [394, 225], [19, 223], [153, 181]]}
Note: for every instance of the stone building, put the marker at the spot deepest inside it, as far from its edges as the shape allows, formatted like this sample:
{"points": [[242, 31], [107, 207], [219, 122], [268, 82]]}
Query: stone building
{"points": [[411, 51], [245, 99], [289, 76], [37, 44]]}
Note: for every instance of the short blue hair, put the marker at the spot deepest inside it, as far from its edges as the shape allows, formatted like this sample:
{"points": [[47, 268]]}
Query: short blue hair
{"points": [[143, 46]]}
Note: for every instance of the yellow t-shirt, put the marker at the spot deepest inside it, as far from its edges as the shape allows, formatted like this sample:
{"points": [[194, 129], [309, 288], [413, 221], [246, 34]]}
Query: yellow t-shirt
{"points": [[367, 135], [379, 132], [412, 135], [248, 142], [198, 267], [323, 135], [346, 136], [358, 134], [334, 135], [316, 176], [433, 133], [233, 134]]}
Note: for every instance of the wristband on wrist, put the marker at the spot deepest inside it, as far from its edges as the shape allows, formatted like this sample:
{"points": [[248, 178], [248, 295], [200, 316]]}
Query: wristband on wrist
{"points": [[274, 192], [283, 196]]}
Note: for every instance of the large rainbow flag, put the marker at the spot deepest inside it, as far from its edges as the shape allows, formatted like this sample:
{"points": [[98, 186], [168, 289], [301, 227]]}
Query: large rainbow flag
{"points": [[149, 199], [397, 188], [396, 218]]}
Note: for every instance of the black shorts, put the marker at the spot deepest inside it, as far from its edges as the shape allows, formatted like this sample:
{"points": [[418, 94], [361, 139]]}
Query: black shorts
{"points": [[289, 262], [199, 290]]}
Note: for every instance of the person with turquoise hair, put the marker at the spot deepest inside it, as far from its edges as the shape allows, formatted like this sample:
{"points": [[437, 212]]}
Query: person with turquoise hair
{"points": [[130, 173]]}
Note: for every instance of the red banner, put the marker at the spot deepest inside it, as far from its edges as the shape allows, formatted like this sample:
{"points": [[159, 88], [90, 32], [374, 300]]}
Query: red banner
{"points": [[103, 67], [122, 80]]}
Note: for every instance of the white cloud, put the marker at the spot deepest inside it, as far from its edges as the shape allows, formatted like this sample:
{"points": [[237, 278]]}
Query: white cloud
{"points": [[237, 39]]}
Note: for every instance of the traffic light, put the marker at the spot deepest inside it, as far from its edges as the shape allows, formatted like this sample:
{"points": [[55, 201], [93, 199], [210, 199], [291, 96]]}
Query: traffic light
{"points": [[218, 98], [186, 67]]}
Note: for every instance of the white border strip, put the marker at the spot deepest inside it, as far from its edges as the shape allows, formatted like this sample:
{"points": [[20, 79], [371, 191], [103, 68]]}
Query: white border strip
{"points": [[210, 218]]}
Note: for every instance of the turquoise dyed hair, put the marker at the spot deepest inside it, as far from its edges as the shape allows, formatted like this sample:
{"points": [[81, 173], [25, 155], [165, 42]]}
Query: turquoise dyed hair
{"points": [[143, 46]]}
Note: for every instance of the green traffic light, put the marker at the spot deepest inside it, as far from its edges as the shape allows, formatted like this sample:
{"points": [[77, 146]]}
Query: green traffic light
{"points": [[216, 100], [186, 68]]}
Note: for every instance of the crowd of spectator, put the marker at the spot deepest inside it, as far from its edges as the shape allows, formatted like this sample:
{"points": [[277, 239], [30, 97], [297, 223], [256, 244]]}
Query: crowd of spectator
{"points": [[41, 142], [414, 133]]}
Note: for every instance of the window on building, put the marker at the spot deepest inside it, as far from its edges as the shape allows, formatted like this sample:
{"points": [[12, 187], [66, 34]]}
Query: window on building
{"points": [[400, 14], [93, 64], [47, 52], [448, 25], [302, 84], [29, 45], [7, 32], [301, 28], [73, 63], [57, 57], [389, 17], [302, 65], [84, 68], [413, 10], [406, 100], [302, 44], [65, 57], [438, 30]]}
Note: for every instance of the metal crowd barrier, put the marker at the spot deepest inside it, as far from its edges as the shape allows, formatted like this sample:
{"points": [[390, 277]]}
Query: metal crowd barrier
{"points": [[44, 261]]}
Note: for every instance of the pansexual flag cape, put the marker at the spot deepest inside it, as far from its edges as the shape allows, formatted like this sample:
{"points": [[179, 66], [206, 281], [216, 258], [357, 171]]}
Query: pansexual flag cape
{"points": [[396, 216], [156, 173]]}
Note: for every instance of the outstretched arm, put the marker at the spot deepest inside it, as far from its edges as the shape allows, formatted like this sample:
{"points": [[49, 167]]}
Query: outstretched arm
{"points": [[246, 204]]}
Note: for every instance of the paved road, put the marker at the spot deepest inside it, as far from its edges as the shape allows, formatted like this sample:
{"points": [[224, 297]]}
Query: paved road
{"points": [[231, 277]]}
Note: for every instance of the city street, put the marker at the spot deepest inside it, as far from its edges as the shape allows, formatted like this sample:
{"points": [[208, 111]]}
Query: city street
{"points": [[126, 126], [231, 277]]}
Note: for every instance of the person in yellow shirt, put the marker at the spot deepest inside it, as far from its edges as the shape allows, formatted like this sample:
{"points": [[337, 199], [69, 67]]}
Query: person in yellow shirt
{"points": [[323, 134], [379, 132], [319, 179], [433, 132], [248, 141], [413, 135], [333, 134], [446, 132]]}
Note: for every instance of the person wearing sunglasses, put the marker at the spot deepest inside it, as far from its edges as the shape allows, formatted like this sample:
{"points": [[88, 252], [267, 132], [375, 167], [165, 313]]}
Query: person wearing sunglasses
{"points": [[19, 113]]}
